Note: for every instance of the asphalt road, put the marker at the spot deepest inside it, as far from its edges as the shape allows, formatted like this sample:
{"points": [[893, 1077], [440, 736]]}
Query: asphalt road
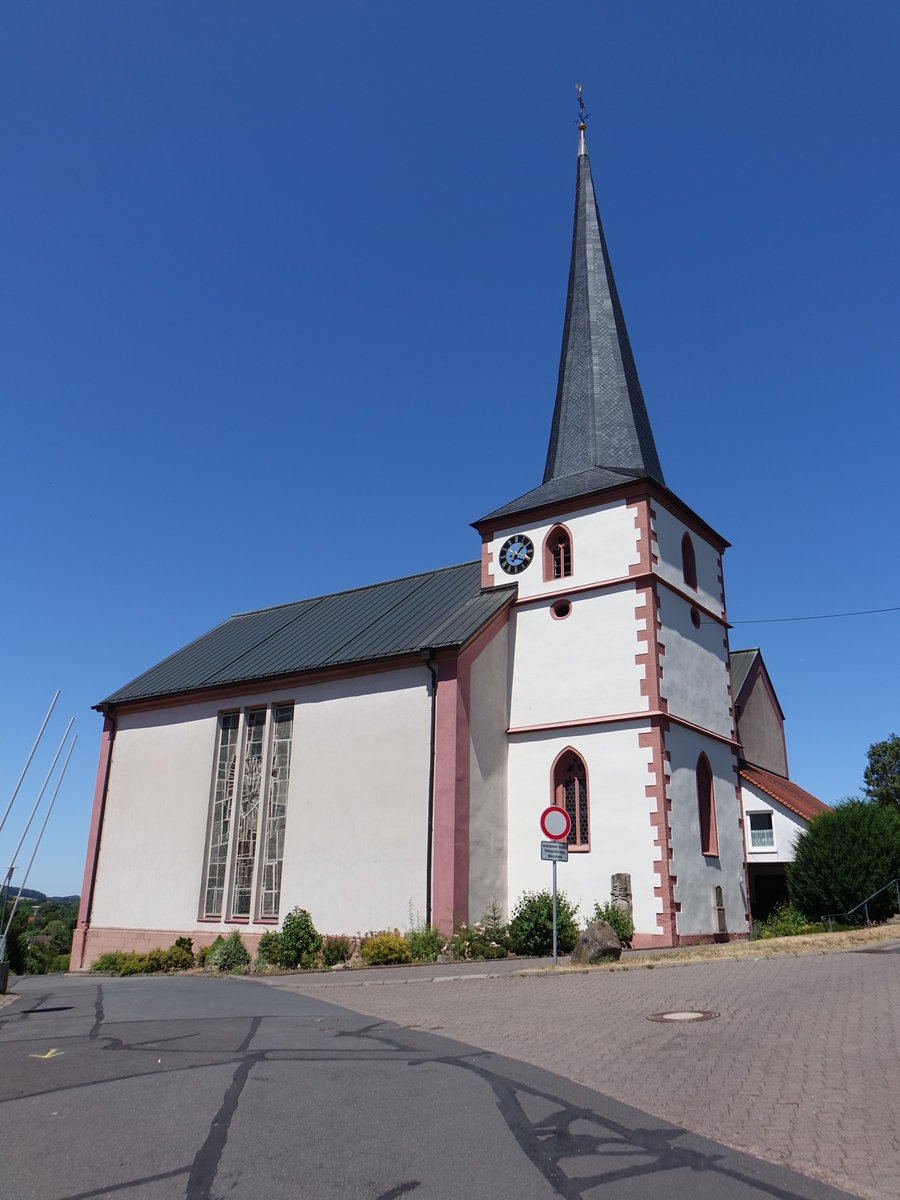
{"points": [[196, 1087]]}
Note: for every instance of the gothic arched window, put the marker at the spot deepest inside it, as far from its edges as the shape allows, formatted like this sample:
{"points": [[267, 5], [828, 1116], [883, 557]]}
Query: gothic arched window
{"points": [[706, 805], [558, 553], [570, 791], [688, 562]]}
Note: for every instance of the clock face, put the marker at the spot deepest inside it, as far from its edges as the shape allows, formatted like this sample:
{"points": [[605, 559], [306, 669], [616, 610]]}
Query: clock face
{"points": [[516, 553]]}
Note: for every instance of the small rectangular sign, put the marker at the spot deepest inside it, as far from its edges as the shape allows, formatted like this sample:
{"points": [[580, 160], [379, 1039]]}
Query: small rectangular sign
{"points": [[554, 852]]}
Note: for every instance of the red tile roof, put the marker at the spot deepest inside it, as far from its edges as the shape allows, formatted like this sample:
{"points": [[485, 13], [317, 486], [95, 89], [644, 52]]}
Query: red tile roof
{"points": [[784, 792]]}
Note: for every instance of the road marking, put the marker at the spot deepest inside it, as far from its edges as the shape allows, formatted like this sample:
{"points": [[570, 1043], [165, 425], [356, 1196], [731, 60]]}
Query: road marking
{"points": [[54, 1053]]}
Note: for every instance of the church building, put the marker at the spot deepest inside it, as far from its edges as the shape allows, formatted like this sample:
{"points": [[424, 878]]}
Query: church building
{"points": [[390, 749]]}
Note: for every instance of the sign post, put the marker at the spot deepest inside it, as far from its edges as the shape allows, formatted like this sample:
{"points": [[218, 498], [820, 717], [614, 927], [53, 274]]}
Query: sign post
{"points": [[556, 824]]}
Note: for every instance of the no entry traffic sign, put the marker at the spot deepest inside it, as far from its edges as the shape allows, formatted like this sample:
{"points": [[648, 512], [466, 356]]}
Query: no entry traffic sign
{"points": [[556, 823]]}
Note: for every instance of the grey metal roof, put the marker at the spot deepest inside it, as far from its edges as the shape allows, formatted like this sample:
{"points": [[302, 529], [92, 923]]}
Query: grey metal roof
{"points": [[437, 610], [741, 662]]}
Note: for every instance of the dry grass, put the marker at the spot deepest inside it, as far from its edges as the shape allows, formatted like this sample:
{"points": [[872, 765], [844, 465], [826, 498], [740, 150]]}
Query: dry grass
{"points": [[813, 943]]}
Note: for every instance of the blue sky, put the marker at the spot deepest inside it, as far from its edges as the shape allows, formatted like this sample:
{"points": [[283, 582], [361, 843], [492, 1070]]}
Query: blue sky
{"points": [[282, 298]]}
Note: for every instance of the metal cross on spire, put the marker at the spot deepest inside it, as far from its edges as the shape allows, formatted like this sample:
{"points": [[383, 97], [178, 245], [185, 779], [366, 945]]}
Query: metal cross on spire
{"points": [[582, 115]]}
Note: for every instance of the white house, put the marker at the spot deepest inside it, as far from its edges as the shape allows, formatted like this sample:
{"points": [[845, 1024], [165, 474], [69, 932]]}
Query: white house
{"points": [[395, 745]]}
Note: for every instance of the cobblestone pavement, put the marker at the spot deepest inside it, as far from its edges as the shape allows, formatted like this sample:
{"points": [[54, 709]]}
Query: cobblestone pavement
{"points": [[801, 1066]]}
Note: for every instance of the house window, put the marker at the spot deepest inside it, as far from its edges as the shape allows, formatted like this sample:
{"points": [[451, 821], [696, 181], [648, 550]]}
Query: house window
{"points": [[248, 812], [261, 806], [762, 835], [570, 791], [706, 804], [273, 842], [220, 817], [557, 553], [688, 562]]}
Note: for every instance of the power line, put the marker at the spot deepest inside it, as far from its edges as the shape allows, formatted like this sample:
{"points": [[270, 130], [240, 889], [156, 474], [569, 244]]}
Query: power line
{"points": [[864, 612]]}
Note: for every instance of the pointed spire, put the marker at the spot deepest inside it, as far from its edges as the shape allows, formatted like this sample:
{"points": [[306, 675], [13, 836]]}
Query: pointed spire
{"points": [[600, 419]]}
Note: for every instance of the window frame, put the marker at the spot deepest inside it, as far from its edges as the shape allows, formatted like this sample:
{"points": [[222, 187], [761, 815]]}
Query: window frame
{"points": [[706, 807], [558, 771], [769, 847], [226, 910], [553, 538]]}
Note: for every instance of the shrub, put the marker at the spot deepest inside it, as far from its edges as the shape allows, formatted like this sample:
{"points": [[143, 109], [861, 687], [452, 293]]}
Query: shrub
{"points": [[156, 961], [531, 927], [230, 956], [425, 943], [205, 951], [844, 856], [108, 963], [300, 941], [620, 920], [385, 949], [335, 950], [477, 942], [134, 963], [784, 921], [179, 957], [269, 949], [60, 962]]}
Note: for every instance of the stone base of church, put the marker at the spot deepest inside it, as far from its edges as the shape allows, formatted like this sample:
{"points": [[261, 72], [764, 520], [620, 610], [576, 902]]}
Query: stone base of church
{"points": [[89, 944]]}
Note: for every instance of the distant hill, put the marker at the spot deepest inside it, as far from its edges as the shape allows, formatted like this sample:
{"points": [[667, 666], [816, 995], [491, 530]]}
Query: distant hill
{"points": [[38, 897]]}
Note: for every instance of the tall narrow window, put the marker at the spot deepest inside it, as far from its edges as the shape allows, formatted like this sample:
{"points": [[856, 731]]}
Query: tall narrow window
{"points": [[220, 817], [706, 804], [570, 791], [273, 841], [558, 553], [248, 812], [688, 562]]}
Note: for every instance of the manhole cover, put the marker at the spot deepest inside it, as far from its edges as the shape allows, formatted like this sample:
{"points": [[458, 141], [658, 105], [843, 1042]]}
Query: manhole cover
{"points": [[685, 1015]]}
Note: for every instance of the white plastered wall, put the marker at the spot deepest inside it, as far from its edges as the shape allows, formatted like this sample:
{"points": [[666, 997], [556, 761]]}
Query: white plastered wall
{"points": [[355, 839], [488, 720], [669, 534], [786, 827], [620, 830], [581, 667], [699, 874], [604, 545], [695, 666]]}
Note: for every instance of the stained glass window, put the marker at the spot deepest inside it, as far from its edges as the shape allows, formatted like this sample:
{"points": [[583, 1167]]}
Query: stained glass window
{"points": [[220, 817], [570, 792]]}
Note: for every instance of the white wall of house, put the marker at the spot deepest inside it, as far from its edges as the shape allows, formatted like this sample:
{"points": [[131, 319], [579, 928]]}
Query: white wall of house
{"points": [[356, 828], [604, 545], [786, 827], [620, 831], [581, 667], [488, 720], [699, 874]]}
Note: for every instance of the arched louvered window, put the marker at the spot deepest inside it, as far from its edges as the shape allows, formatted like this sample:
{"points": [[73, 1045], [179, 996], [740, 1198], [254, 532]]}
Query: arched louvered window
{"points": [[706, 805], [570, 791], [558, 553], [688, 562]]}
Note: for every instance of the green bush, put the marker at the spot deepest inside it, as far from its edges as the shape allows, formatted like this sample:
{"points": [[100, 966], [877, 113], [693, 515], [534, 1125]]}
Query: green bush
{"points": [[179, 957], [335, 950], [230, 956], [269, 948], [202, 957], [620, 920], [785, 921], [425, 943], [60, 963], [300, 941], [844, 856], [109, 963], [531, 927], [385, 949], [477, 942], [134, 963]]}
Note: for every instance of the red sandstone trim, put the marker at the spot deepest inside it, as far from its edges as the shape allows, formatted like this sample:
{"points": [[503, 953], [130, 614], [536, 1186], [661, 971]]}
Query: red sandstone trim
{"points": [[487, 557], [657, 791], [649, 715], [93, 847], [645, 538], [641, 580], [708, 939]]}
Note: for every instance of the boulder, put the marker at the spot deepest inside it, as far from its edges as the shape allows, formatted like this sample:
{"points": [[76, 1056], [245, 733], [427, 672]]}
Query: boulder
{"points": [[597, 944]]}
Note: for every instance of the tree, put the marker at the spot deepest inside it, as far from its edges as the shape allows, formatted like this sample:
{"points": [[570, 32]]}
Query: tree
{"points": [[882, 775], [844, 856]]}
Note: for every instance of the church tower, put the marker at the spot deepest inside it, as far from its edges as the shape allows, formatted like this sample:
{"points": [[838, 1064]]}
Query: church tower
{"points": [[620, 705]]}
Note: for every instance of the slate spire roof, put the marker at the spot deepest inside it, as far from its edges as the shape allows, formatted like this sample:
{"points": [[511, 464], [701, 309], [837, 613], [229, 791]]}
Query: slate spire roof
{"points": [[601, 435]]}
